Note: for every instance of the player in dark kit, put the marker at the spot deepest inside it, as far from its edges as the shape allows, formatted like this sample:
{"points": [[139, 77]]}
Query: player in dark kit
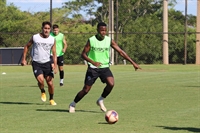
{"points": [[97, 53], [42, 45]]}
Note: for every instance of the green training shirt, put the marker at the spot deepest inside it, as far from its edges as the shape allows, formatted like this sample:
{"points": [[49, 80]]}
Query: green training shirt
{"points": [[59, 43], [100, 51]]}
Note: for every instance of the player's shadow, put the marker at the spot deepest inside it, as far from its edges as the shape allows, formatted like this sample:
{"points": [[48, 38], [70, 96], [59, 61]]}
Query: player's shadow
{"points": [[63, 110], [53, 110], [193, 86], [190, 129], [104, 123], [20, 103]]}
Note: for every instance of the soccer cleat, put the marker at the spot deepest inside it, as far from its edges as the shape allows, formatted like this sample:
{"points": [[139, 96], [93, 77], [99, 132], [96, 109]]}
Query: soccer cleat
{"points": [[71, 109], [43, 97], [52, 102], [102, 107], [61, 84]]}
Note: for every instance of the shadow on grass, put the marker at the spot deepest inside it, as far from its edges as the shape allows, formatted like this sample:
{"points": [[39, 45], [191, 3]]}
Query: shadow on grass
{"points": [[193, 86], [53, 110], [190, 129], [20, 103], [63, 110], [104, 123]]}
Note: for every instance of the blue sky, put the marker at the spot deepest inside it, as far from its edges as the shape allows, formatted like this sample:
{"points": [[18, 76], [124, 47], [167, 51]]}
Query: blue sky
{"points": [[44, 5]]}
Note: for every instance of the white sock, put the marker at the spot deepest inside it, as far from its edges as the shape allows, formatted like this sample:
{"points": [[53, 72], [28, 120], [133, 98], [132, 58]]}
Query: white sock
{"points": [[61, 80], [101, 99]]}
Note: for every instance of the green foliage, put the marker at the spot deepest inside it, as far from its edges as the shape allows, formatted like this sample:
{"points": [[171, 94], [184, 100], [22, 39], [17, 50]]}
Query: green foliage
{"points": [[76, 40], [139, 28]]}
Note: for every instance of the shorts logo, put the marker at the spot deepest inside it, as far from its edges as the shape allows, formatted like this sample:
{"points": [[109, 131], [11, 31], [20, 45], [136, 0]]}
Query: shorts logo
{"points": [[35, 71], [89, 78]]}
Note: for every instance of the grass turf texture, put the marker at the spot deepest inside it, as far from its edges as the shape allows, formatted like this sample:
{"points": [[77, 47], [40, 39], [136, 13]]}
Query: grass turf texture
{"points": [[156, 99]]}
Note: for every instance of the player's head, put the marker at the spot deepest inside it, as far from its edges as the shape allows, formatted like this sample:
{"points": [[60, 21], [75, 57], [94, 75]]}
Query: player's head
{"points": [[102, 29], [55, 29], [46, 28]]}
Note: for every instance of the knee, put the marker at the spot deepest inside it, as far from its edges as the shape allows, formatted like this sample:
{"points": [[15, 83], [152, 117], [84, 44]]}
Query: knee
{"points": [[85, 90], [111, 84], [50, 83]]}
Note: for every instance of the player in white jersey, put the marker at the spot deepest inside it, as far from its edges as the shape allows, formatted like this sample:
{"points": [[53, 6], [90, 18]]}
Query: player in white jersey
{"points": [[42, 44]]}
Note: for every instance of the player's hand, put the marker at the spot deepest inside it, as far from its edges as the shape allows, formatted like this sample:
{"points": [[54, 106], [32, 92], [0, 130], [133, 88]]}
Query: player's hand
{"points": [[23, 63], [136, 66], [54, 68], [97, 64], [63, 50]]}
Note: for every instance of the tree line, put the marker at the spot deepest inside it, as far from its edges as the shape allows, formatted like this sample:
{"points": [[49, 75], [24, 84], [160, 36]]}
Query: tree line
{"points": [[138, 30]]}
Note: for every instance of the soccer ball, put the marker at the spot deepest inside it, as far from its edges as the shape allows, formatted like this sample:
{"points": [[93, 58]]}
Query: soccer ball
{"points": [[111, 116]]}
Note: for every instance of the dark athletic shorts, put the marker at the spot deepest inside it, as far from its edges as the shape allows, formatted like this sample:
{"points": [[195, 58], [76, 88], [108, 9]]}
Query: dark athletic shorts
{"points": [[60, 60], [44, 68], [93, 73]]}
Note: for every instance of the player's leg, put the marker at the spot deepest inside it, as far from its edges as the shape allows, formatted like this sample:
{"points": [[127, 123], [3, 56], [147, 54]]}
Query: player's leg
{"points": [[49, 75], [78, 97], [60, 62], [40, 80], [61, 74], [106, 77], [90, 78], [49, 81], [38, 73]]}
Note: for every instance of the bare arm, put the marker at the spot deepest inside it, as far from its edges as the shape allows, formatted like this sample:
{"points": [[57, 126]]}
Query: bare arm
{"points": [[26, 47], [53, 49], [85, 57], [123, 54], [64, 45]]}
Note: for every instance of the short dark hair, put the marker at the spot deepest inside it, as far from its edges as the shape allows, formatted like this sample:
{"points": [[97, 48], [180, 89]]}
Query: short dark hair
{"points": [[55, 26], [46, 22], [101, 24]]}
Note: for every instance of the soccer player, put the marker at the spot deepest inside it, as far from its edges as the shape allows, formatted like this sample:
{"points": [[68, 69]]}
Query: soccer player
{"points": [[61, 46], [97, 53], [42, 45]]}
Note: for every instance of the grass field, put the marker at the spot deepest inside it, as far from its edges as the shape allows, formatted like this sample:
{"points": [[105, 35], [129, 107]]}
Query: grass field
{"points": [[156, 99]]}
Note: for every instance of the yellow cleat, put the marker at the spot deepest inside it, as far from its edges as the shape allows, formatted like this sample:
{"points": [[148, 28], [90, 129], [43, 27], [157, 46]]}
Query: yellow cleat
{"points": [[43, 97], [52, 102]]}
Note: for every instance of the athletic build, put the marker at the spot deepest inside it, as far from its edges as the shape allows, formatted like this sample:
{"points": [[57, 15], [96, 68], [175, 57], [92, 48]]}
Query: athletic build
{"points": [[61, 46], [42, 45], [96, 53]]}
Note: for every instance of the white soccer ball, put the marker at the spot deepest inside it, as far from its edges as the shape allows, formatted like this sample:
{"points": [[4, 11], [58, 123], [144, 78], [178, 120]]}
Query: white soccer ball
{"points": [[111, 116]]}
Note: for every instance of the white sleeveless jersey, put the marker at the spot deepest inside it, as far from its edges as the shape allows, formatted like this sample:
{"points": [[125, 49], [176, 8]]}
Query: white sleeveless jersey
{"points": [[41, 48]]}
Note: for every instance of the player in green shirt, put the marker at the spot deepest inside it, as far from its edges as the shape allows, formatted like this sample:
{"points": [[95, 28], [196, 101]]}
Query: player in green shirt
{"points": [[61, 46], [96, 53]]}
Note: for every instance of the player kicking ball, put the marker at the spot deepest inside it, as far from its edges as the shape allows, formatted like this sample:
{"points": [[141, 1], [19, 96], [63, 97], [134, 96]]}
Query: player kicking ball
{"points": [[97, 53]]}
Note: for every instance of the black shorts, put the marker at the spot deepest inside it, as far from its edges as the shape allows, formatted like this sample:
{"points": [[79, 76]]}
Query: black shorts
{"points": [[60, 60], [93, 73], [44, 68]]}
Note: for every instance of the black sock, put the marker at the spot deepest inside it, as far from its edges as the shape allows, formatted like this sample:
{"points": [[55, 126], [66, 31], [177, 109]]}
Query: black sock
{"points": [[42, 90], [77, 99], [61, 74], [105, 93], [50, 96]]}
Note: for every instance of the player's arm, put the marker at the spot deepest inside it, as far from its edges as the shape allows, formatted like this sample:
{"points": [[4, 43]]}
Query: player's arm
{"points": [[64, 44], [124, 54], [53, 49], [26, 47], [85, 57]]}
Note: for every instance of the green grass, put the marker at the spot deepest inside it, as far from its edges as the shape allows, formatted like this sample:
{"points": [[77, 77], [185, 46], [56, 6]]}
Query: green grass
{"points": [[156, 99]]}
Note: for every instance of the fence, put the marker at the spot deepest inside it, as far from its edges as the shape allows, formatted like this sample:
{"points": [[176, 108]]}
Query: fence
{"points": [[142, 47]]}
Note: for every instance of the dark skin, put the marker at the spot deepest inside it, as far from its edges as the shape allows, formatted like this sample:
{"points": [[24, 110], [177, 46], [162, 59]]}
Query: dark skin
{"points": [[101, 32]]}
